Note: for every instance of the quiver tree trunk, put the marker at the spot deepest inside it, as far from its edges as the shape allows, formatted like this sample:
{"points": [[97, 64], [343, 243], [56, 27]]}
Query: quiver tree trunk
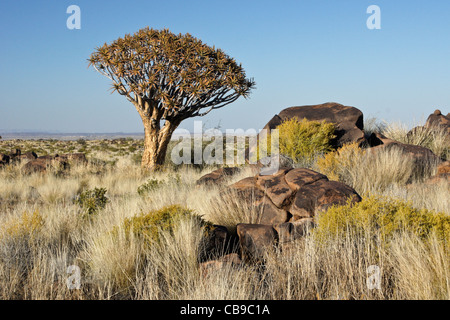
{"points": [[156, 142]]}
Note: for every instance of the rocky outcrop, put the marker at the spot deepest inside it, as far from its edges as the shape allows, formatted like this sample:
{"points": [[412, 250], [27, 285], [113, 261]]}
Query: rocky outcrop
{"points": [[290, 194], [437, 119]]}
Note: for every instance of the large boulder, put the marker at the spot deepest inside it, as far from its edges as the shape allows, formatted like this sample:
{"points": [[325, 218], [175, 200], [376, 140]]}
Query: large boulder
{"points": [[422, 156], [290, 195], [255, 240], [4, 159], [43, 164], [442, 174], [437, 119], [348, 120], [74, 158]]}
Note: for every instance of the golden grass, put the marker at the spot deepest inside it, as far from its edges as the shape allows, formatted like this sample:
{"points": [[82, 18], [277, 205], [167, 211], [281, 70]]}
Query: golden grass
{"points": [[34, 261]]}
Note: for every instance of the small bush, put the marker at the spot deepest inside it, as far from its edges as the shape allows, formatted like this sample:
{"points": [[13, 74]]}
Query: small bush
{"points": [[149, 225], [28, 224], [383, 219], [303, 139], [92, 201], [149, 186]]}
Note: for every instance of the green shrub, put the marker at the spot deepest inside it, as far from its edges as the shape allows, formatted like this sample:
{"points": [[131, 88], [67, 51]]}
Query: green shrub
{"points": [[303, 139], [149, 186], [28, 224], [92, 201], [148, 225], [382, 219]]}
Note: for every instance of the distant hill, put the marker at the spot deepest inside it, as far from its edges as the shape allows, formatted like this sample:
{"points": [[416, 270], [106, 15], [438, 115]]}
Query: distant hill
{"points": [[67, 136]]}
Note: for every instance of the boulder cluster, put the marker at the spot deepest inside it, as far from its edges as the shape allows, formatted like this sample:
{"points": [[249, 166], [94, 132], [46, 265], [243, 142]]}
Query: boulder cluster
{"points": [[32, 163], [288, 201]]}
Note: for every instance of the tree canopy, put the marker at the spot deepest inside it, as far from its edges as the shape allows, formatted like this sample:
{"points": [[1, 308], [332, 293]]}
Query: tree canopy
{"points": [[168, 76]]}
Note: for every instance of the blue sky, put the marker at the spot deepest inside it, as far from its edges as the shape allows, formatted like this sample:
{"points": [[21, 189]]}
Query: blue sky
{"points": [[299, 52]]}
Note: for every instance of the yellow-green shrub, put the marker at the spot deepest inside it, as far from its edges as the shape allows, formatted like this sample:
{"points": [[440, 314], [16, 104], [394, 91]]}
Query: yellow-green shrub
{"points": [[382, 218], [28, 224], [303, 139], [148, 225]]}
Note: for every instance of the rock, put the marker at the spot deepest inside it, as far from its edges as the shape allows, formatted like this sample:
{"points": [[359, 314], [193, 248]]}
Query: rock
{"points": [[42, 164], [15, 155], [276, 188], [75, 158], [215, 244], [290, 194], [442, 174], [444, 168], [251, 195], [437, 119], [27, 156], [218, 177], [255, 240], [348, 120], [229, 260], [422, 156], [437, 179], [319, 196], [291, 231], [299, 178], [4, 159]]}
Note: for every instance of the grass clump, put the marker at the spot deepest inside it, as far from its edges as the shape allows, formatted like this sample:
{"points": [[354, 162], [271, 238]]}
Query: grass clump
{"points": [[434, 138], [369, 172], [150, 185], [336, 165], [92, 201]]}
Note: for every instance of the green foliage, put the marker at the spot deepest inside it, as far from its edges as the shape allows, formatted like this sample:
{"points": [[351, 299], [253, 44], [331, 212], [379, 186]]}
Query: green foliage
{"points": [[149, 186], [382, 218], [303, 139], [149, 225], [92, 201]]}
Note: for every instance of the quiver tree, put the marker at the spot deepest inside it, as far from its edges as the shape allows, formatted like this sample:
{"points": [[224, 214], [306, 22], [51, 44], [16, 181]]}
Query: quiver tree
{"points": [[169, 78]]}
